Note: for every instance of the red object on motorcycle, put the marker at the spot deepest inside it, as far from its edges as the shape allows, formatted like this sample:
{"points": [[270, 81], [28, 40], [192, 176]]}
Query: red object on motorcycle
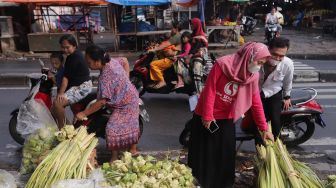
{"points": [[313, 105], [45, 98], [76, 108]]}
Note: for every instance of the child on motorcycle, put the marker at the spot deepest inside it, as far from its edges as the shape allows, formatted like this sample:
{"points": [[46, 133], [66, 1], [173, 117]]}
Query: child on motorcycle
{"points": [[184, 56], [57, 63]]}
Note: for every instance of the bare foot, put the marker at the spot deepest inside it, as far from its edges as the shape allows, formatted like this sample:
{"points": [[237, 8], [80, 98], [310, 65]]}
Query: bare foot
{"points": [[114, 156], [133, 150]]}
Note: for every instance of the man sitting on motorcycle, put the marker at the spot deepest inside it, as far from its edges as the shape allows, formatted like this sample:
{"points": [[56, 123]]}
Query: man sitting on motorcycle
{"points": [[169, 48], [275, 81], [272, 18]]}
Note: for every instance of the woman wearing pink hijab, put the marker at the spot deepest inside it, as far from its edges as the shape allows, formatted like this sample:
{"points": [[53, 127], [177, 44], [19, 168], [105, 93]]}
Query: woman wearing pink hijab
{"points": [[231, 89]]}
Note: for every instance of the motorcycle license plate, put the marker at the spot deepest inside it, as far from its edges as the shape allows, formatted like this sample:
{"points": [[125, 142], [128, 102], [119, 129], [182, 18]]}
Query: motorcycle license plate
{"points": [[144, 115]]}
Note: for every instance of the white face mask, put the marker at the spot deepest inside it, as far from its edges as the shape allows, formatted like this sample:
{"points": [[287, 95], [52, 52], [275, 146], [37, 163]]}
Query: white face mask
{"points": [[252, 68], [273, 62]]}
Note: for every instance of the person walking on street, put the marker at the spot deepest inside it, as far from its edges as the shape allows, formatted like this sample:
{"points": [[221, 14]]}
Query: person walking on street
{"points": [[116, 91], [276, 78], [231, 89], [76, 83]]}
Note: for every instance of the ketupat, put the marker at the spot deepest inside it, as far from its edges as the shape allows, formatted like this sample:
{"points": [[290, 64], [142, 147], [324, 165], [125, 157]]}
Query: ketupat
{"points": [[292, 173], [36, 147], [147, 172], [68, 160]]}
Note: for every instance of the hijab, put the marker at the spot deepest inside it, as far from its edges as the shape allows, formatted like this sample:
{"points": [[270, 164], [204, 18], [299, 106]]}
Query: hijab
{"points": [[235, 68]]}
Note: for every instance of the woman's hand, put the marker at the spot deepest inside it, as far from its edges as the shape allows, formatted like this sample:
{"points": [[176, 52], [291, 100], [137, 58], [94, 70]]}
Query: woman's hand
{"points": [[267, 136], [206, 123], [61, 97], [81, 116]]}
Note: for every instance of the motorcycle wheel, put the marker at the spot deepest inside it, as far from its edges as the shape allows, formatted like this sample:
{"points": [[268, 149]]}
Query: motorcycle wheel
{"points": [[13, 131], [138, 83], [297, 133], [141, 124], [185, 135]]}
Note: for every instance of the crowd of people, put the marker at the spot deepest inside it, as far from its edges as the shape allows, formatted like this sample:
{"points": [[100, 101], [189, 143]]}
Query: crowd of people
{"points": [[256, 81]]}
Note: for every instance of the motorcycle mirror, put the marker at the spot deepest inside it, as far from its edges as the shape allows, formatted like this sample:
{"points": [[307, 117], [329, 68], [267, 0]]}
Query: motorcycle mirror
{"points": [[41, 63]]}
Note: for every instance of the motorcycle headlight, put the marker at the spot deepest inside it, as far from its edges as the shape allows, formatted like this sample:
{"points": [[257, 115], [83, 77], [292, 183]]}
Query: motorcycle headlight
{"points": [[140, 102]]}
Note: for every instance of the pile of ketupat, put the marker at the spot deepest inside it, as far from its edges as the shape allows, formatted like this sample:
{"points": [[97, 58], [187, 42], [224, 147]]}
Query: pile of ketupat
{"points": [[68, 160], [277, 169], [147, 172], [37, 147]]}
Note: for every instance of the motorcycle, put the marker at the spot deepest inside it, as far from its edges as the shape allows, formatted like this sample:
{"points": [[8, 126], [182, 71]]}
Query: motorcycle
{"points": [[140, 76], [41, 89], [271, 31], [249, 24], [298, 123]]}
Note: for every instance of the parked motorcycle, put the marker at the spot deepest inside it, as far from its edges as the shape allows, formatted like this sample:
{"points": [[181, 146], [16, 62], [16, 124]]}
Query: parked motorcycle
{"points": [[298, 123], [140, 76], [249, 24], [41, 89]]}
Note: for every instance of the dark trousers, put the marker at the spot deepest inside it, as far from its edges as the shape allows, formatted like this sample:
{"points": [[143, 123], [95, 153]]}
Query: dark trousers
{"points": [[272, 107]]}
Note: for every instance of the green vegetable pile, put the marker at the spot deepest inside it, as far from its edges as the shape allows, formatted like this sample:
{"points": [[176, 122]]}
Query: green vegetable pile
{"points": [[147, 172], [36, 147], [277, 169], [68, 160]]}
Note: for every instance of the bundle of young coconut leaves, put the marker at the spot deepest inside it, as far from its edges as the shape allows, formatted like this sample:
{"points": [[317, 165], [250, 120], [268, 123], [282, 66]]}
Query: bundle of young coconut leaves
{"points": [[68, 160], [277, 169]]}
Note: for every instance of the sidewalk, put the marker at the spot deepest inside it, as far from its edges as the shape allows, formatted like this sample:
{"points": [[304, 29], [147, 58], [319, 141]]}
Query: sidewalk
{"points": [[16, 67]]}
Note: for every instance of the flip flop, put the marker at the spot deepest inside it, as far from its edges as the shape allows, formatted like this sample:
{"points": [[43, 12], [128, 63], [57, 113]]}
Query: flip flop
{"points": [[177, 87], [158, 86]]}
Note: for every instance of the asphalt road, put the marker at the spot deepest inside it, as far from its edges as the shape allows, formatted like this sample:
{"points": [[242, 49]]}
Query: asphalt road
{"points": [[168, 113], [20, 66]]}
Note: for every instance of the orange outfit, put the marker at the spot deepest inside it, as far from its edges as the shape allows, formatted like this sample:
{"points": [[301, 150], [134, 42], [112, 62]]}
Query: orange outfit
{"points": [[158, 66]]}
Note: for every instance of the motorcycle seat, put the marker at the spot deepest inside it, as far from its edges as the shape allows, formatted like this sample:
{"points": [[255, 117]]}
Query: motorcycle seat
{"points": [[300, 96]]}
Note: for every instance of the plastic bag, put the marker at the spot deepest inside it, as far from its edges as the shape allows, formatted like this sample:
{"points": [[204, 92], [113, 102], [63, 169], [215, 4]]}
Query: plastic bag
{"points": [[7, 180], [36, 147], [33, 115], [95, 180], [73, 183]]}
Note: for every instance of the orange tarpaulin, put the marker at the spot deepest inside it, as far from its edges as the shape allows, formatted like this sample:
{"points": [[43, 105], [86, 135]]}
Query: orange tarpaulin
{"points": [[60, 2]]}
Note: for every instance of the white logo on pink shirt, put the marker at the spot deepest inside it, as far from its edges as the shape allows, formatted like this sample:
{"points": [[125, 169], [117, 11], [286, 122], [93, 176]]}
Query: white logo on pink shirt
{"points": [[231, 88]]}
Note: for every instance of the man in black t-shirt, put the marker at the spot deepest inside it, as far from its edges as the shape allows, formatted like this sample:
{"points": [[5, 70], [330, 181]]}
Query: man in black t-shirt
{"points": [[76, 82]]}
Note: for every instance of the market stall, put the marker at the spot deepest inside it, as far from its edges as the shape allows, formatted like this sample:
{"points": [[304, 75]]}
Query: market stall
{"points": [[50, 19], [134, 21]]}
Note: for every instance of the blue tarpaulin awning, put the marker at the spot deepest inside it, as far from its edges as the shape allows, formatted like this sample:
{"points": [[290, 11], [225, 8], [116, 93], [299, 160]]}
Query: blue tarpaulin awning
{"points": [[139, 2]]}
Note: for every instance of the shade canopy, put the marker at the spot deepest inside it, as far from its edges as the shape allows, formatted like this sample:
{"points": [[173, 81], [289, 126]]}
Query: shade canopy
{"points": [[139, 2], [59, 2]]}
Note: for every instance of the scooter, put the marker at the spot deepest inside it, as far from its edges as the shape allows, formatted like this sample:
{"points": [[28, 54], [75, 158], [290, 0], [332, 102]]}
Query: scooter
{"points": [[41, 89], [249, 24], [271, 32], [298, 123], [140, 76]]}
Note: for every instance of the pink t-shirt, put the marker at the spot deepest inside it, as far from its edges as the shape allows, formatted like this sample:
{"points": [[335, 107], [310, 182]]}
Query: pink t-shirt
{"points": [[218, 98], [186, 50]]}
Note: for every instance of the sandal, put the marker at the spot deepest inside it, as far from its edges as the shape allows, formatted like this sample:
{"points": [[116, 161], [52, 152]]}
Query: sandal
{"points": [[159, 85], [178, 86]]}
